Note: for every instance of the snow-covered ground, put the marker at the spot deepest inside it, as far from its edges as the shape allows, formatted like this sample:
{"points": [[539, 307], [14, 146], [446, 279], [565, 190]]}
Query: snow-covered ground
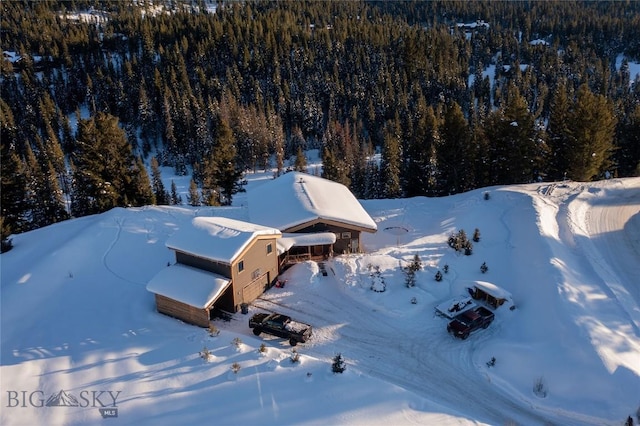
{"points": [[79, 327]]}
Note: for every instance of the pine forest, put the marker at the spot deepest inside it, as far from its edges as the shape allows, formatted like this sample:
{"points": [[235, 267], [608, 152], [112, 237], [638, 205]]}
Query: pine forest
{"points": [[401, 98]]}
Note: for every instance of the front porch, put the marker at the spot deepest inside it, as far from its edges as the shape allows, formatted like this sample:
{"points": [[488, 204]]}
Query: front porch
{"points": [[302, 254]]}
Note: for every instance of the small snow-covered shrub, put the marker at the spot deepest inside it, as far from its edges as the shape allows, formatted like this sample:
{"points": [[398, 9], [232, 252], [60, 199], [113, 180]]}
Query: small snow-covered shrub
{"points": [[468, 248], [486, 196], [414, 301], [338, 365], [484, 268], [377, 281], [213, 330], [263, 348], [476, 235], [438, 276], [236, 342], [491, 362], [410, 271], [446, 269], [205, 353], [295, 356], [235, 367], [540, 388]]}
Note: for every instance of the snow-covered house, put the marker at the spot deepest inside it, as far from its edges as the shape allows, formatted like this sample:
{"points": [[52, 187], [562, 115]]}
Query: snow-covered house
{"points": [[316, 216], [221, 263]]}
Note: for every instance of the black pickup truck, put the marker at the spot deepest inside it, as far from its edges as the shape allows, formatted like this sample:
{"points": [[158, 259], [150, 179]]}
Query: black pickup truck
{"points": [[469, 321], [280, 325]]}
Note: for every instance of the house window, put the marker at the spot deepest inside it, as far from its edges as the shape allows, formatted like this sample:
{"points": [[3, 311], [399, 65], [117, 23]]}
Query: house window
{"points": [[346, 235], [241, 266], [269, 248]]}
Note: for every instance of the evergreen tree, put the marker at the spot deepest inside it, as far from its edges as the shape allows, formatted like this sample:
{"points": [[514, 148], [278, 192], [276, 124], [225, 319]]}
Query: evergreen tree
{"points": [[175, 198], [44, 197], [210, 194], [372, 180], [390, 163], [337, 153], [141, 190], [5, 236], [226, 171], [592, 128], [300, 164], [558, 135], [456, 153], [103, 165], [420, 170], [161, 196], [628, 154], [193, 197], [13, 205], [514, 151], [338, 365]]}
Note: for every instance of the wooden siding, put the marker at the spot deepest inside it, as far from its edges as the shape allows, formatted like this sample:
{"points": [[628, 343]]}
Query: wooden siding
{"points": [[182, 311], [254, 289], [342, 245], [219, 268], [257, 263], [324, 225]]}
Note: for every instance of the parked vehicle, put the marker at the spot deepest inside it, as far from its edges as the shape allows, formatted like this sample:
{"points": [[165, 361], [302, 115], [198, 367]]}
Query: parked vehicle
{"points": [[281, 326], [470, 321]]}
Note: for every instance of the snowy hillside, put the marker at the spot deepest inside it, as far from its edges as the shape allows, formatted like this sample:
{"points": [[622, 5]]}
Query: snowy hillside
{"points": [[80, 329]]}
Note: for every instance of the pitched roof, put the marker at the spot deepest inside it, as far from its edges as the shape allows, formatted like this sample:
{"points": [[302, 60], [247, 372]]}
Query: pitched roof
{"points": [[218, 238], [185, 284], [297, 198]]}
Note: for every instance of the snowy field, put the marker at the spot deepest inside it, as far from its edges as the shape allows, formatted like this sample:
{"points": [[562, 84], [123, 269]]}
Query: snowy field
{"points": [[80, 330]]}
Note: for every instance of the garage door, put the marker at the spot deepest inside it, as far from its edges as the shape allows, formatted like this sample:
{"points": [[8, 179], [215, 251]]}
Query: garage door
{"points": [[255, 288]]}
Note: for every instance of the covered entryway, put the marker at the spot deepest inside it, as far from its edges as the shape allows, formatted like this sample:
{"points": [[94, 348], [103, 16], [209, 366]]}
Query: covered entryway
{"points": [[255, 288]]}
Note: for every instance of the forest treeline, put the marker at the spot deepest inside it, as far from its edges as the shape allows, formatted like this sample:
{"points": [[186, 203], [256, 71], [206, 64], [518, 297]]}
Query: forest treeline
{"points": [[92, 104]]}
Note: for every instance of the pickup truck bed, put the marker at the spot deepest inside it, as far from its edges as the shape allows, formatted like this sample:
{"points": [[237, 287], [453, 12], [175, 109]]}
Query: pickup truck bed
{"points": [[470, 321]]}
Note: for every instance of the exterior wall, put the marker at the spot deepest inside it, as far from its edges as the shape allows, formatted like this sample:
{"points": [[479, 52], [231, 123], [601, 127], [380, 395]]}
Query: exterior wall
{"points": [[205, 264], [225, 301], [186, 313], [342, 245], [257, 263]]}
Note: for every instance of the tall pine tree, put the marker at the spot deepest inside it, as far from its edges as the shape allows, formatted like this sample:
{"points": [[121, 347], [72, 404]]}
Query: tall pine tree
{"points": [[456, 153], [591, 129], [391, 161], [104, 167]]}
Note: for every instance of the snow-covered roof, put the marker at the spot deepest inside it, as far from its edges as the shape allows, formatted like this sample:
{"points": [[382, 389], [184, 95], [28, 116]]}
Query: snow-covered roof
{"points": [[185, 284], [217, 238], [289, 240], [493, 290], [297, 198]]}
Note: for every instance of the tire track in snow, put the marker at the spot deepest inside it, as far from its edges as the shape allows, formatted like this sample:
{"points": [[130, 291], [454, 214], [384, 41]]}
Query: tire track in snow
{"points": [[120, 222], [420, 361]]}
